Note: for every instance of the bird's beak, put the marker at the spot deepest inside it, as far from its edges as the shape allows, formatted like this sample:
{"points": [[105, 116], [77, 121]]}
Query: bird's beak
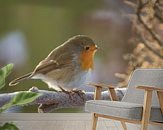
{"points": [[96, 47]]}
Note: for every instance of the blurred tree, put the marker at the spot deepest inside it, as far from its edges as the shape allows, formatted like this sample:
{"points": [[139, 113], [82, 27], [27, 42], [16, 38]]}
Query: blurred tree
{"points": [[148, 32], [44, 25]]}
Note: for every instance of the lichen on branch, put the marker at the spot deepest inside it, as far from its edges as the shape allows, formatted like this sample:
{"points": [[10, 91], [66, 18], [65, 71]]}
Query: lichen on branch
{"points": [[51, 100]]}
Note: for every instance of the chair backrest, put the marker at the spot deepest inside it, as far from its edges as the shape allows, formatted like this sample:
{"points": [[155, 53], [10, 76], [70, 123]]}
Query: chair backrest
{"points": [[145, 77]]}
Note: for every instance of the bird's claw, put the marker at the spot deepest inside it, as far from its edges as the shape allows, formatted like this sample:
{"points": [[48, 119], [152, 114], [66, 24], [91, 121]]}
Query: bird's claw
{"points": [[78, 92], [72, 92]]}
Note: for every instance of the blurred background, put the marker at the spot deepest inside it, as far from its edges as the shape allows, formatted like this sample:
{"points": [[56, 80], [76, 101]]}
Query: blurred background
{"points": [[29, 30]]}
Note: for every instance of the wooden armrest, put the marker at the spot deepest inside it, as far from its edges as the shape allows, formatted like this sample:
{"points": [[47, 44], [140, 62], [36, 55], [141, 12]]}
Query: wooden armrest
{"points": [[102, 85], [148, 96], [148, 88], [99, 88]]}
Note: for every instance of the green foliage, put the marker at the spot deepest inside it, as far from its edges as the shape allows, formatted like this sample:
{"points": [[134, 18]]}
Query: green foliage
{"points": [[21, 98], [8, 126], [4, 72]]}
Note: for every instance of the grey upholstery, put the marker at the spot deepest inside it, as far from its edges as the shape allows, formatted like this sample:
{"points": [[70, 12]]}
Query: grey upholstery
{"points": [[126, 110], [132, 103], [146, 77]]}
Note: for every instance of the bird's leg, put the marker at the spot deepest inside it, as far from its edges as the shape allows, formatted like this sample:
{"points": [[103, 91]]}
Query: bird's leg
{"points": [[77, 91], [69, 93], [64, 90], [72, 92]]}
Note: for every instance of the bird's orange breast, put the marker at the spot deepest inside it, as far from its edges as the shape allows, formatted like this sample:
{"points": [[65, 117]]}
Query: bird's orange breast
{"points": [[87, 58]]}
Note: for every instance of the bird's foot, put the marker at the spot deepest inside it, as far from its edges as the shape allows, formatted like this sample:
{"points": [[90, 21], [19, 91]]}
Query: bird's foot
{"points": [[78, 92], [72, 92], [69, 93], [64, 90]]}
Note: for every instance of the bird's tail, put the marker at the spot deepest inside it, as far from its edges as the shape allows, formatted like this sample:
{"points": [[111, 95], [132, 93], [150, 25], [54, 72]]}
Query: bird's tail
{"points": [[24, 77]]}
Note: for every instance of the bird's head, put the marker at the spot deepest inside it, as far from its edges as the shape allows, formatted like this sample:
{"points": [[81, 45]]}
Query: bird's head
{"points": [[84, 47]]}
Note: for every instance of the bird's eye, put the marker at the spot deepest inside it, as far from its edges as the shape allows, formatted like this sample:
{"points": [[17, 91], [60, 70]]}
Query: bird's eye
{"points": [[87, 48]]}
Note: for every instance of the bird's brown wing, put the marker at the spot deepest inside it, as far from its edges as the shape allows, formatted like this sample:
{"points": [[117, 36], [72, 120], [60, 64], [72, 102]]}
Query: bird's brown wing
{"points": [[59, 58], [46, 66], [49, 64]]}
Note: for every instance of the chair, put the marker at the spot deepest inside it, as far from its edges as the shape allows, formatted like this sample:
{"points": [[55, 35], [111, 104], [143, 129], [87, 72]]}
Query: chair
{"points": [[142, 103]]}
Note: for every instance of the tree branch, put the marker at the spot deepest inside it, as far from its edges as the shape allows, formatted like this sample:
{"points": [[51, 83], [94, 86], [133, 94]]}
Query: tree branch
{"points": [[131, 4], [153, 34], [51, 100], [145, 42], [158, 11]]}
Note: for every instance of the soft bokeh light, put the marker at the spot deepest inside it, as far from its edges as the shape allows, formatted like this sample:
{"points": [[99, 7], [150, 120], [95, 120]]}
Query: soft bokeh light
{"points": [[30, 30], [43, 26]]}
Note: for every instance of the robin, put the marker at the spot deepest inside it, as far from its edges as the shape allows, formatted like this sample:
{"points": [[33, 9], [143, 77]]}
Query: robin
{"points": [[67, 66]]}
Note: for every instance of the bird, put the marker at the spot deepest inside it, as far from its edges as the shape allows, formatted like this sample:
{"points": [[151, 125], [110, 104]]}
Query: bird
{"points": [[66, 66]]}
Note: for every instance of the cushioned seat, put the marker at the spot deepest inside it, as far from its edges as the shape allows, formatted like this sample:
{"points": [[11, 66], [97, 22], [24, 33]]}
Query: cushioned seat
{"points": [[121, 109]]}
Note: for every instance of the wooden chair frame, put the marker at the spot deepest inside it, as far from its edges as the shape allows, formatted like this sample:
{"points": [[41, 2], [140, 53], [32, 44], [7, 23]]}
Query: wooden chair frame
{"points": [[146, 106]]}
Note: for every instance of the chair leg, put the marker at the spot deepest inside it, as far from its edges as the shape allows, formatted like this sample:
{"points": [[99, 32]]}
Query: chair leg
{"points": [[94, 123], [146, 110], [124, 125]]}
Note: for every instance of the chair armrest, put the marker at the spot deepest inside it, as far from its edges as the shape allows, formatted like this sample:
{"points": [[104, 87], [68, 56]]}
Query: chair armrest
{"points": [[98, 88], [102, 85], [148, 91], [148, 88]]}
